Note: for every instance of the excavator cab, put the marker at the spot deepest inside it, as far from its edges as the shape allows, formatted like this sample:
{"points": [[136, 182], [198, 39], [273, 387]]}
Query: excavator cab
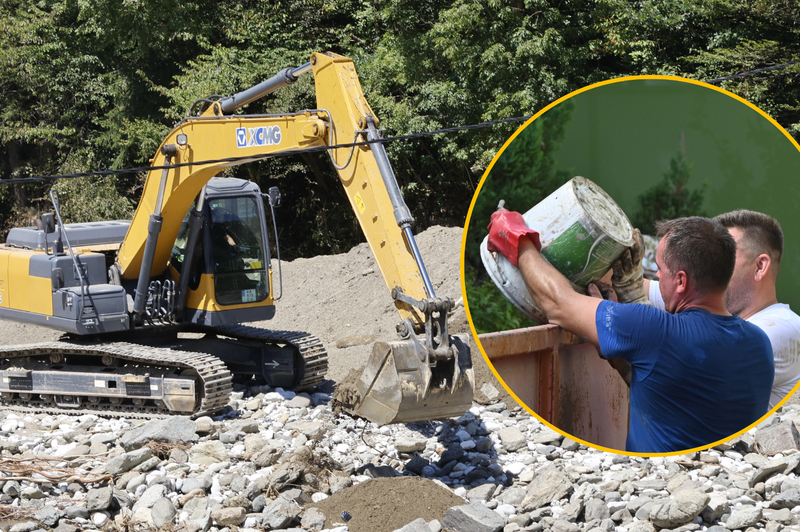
{"points": [[229, 268]]}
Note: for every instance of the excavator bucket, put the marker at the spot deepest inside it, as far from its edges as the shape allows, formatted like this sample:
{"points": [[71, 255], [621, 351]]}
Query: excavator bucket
{"points": [[400, 383]]}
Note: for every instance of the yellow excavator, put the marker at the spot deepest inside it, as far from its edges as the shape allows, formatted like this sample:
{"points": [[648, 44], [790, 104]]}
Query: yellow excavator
{"points": [[153, 307]]}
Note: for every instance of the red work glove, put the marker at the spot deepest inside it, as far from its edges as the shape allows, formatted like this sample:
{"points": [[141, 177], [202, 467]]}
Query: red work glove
{"points": [[505, 230]]}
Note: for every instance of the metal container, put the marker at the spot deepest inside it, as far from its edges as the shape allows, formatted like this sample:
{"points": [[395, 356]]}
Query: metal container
{"points": [[582, 232]]}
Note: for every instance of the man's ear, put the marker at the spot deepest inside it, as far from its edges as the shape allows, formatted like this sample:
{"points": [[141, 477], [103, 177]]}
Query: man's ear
{"points": [[763, 266], [681, 282]]}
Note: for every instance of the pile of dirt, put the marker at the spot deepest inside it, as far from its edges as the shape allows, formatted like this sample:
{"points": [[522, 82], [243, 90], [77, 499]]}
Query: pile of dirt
{"points": [[344, 300], [387, 504]]}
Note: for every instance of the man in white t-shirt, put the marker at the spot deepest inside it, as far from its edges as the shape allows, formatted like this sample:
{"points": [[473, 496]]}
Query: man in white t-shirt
{"points": [[751, 292]]}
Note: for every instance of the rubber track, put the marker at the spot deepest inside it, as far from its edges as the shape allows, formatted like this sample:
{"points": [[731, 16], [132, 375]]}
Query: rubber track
{"points": [[313, 353], [213, 374]]}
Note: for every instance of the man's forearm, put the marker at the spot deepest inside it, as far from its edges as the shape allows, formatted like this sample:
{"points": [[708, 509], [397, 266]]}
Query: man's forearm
{"points": [[545, 283], [554, 295]]}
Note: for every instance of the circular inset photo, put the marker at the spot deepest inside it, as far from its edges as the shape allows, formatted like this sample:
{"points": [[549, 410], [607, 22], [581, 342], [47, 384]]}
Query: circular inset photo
{"points": [[625, 270]]}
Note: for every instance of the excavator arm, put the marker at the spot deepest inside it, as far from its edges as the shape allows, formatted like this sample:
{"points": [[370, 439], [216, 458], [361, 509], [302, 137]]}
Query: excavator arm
{"points": [[413, 378]]}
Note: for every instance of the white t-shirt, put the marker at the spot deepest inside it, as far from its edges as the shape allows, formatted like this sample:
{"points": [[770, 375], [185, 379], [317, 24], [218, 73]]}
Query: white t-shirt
{"points": [[783, 328]]}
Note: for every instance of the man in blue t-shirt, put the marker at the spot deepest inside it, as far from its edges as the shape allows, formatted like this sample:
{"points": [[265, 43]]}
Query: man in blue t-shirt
{"points": [[698, 373]]}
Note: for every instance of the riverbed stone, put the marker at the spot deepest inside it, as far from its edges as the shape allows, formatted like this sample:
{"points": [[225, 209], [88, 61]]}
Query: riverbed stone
{"points": [[680, 509], [175, 429], [548, 486]]}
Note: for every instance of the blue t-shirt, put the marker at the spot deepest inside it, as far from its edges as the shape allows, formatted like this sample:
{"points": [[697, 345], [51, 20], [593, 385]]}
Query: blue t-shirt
{"points": [[696, 377]]}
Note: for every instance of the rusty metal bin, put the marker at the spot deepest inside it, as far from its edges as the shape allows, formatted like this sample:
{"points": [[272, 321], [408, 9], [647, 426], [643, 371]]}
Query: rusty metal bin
{"points": [[563, 380]]}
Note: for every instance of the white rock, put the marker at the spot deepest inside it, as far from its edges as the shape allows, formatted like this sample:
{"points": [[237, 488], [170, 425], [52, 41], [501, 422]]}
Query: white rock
{"points": [[515, 468], [272, 397], [506, 509], [99, 519]]}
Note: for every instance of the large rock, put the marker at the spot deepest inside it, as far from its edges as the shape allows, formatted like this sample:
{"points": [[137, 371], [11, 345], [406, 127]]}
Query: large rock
{"points": [[266, 455], [127, 461], [596, 509], [248, 426], [150, 496], [409, 444], [313, 430], [513, 439], [99, 499], [473, 518], [548, 486], [743, 517], [48, 516], [765, 471], [777, 438], [483, 492], [680, 509], [787, 499], [175, 429], [417, 525], [718, 505], [547, 435], [338, 481], [229, 516], [564, 526], [285, 474], [162, 512], [313, 519], [280, 513]]}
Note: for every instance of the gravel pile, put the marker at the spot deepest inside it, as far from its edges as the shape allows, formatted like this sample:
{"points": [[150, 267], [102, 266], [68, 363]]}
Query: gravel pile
{"points": [[280, 461]]}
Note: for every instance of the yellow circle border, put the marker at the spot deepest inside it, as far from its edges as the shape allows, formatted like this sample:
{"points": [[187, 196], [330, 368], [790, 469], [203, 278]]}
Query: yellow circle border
{"points": [[464, 243]]}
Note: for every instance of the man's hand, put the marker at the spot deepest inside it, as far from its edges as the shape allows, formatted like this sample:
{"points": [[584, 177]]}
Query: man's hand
{"points": [[505, 231], [628, 278], [601, 291]]}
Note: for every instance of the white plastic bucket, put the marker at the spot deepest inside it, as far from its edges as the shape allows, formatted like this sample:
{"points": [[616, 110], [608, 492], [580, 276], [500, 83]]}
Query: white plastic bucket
{"points": [[582, 232]]}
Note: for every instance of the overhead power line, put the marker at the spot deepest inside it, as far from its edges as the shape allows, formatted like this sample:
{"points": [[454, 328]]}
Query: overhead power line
{"points": [[751, 72], [285, 153], [36, 179]]}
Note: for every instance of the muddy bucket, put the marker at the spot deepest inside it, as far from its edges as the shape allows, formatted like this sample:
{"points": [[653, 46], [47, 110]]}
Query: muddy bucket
{"points": [[582, 232], [400, 385]]}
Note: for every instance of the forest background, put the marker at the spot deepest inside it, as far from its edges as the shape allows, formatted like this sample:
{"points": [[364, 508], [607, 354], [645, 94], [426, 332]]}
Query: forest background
{"points": [[95, 84]]}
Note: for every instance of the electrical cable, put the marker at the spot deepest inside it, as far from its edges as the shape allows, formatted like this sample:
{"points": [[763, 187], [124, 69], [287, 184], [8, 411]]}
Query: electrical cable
{"points": [[751, 72], [285, 153], [352, 145]]}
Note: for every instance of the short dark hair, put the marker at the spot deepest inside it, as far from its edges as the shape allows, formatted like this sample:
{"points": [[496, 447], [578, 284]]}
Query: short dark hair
{"points": [[761, 233], [701, 247]]}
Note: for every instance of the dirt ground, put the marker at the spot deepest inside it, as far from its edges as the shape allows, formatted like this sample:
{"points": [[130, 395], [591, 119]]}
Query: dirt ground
{"points": [[386, 504]]}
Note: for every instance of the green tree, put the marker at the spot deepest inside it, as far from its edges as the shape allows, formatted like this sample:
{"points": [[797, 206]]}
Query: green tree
{"points": [[523, 175], [670, 198]]}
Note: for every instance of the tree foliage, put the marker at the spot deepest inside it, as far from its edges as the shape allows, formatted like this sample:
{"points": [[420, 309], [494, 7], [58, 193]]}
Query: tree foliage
{"points": [[95, 84], [670, 198], [522, 176]]}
